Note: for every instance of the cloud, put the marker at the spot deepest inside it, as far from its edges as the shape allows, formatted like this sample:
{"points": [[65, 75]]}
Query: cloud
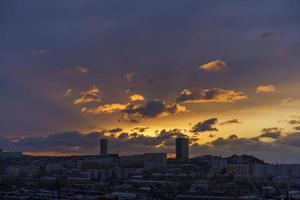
{"points": [[286, 101], [140, 129], [91, 95], [36, 52], [106, 108], [70, 143], [272, 129], [269, 35], [129, 76], [136, 112], [272, 135], [210, 95], [68, 92], [214, 66], [82, 69], [294, 121], [289, 101], [207, 125], [136, 97], [284, 148], [75, 70], [265, 89], [232, 121], [154, 108], [114, 130]]}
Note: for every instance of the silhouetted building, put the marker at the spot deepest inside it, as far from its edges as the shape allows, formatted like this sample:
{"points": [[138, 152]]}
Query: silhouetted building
{"points": [[103, 147], [182, 148]]}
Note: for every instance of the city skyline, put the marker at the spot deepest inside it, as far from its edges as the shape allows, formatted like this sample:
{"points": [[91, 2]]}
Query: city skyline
{"points": [[140, 74]]}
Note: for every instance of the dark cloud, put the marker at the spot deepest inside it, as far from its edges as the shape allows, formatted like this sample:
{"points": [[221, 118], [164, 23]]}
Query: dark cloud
{"points": [[136, 111], [207, 125], [272, 129], [65, 142], [294, 121], [291, 139], [210, 95], [140, 129], [272, 135], [273, 132], [284, 148], [232, 121], [114, 130], [151, 109], [88, 143], [270, 35], [168, 136], [123, 136]]}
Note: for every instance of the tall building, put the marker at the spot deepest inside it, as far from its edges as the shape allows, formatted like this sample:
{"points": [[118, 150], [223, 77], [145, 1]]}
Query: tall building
{"points": [[182, 148], [103, 147]]}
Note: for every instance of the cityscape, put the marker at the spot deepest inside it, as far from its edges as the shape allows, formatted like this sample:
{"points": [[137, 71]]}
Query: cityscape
{"points": [[146, 176], [149, 99]]}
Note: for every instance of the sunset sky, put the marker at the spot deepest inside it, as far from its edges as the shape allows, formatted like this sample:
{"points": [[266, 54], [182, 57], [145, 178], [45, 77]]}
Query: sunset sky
{"points": [[140, 73]]}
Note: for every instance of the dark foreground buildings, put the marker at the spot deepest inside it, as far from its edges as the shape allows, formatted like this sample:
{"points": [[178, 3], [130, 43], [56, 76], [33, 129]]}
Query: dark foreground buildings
{"points": [[145, 176]]}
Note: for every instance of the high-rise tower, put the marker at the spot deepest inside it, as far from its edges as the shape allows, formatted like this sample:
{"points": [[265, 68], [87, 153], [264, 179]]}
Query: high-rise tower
{"points": [[103, 147], [182, 148]]}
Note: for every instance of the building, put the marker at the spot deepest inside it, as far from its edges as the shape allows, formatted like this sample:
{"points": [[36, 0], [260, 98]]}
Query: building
{"points": [[146, 161], [155, 160], [52, 167], [218, 164], [23, 170], [237, 170], [103, 147], [182, 148]]}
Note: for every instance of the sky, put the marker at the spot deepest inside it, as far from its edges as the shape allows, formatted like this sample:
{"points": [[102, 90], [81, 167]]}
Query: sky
{"points": [[140, 73]]}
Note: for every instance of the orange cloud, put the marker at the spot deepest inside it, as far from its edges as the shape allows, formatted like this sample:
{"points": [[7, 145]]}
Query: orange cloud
{"points": [[210, 95], [136, 97], [214, 66], [290, 101], [265, 89], [91, 95], [107, 108]]}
